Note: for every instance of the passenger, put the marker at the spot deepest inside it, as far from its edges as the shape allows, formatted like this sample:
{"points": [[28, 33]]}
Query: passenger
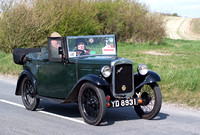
{"points": [[81, 48], [55, 45]]}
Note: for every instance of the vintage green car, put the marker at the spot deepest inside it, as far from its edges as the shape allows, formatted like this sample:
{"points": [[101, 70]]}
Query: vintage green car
{"points": [[86, 70]]}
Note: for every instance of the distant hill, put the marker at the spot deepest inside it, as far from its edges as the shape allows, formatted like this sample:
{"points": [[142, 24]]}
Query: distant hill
{"points": [[180, 28]]}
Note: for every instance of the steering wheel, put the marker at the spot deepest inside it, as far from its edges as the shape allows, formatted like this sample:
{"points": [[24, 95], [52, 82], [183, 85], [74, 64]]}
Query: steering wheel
{"points": [[82, 52]]}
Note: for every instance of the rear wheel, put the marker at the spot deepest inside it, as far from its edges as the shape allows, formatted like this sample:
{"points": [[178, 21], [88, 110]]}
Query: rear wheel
{"points": [[28, 96], [92, 103], [152, 100]]}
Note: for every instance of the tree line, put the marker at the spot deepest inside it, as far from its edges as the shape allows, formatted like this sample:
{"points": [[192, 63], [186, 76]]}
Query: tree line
{"points": [[27, 23]]}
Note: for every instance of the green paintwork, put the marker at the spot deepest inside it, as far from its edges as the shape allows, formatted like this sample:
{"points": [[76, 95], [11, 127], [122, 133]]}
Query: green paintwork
{"points": [[93, 65], [57, 79]]}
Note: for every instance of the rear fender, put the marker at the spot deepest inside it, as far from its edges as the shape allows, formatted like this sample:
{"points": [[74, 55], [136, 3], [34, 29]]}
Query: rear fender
{"points": [[88, 78], [23, 74], [141, 80]]}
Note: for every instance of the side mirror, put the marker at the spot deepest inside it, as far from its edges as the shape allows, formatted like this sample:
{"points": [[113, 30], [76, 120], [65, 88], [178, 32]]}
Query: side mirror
{"points": [[60, 50]]}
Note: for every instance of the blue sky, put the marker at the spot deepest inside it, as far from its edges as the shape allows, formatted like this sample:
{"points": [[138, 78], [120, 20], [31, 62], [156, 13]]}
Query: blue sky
{"points": [[184, 8]]}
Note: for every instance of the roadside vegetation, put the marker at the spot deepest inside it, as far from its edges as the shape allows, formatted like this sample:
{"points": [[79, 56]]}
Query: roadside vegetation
{"points": [[176, 61], [171, 14], [27, 23], [7, 66], [178, 64]]}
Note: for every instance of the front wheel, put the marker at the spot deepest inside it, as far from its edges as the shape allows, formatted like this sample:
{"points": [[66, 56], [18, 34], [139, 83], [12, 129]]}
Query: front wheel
{"points": [[152, 100], [28, 98], [92, 103]]}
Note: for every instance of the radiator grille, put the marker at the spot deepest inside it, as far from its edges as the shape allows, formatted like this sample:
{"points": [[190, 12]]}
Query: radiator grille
{"points": [[123, 78]]}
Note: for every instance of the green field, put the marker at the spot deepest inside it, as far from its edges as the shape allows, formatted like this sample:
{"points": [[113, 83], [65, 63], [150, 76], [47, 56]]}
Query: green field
{"points": [[176, 61], [178, 64]]}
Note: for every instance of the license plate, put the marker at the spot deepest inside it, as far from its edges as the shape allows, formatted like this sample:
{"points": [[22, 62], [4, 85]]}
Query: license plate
{"points": [[124, 102]]}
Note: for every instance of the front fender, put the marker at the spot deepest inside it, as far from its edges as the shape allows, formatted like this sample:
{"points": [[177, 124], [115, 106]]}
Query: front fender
{"points": [[94, 79], [88, 78], [20, 79], [150, 77]]}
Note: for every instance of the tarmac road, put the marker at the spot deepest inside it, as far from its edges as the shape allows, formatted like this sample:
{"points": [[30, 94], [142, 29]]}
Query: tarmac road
{"points": [[55, 119]]}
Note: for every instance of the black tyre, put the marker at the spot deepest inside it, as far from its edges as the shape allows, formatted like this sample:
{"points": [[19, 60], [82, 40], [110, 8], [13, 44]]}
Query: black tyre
{"points": [[28, 98], [152, 101], [92, 103]]}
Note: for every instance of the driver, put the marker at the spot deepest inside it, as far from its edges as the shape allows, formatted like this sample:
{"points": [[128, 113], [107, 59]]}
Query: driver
{"points": [[81, 48]]}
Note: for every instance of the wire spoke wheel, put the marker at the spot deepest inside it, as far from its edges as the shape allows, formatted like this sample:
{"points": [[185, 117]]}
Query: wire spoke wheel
{"points": [[27, 92], [152, 100], [148, 98], [92, 103], [28, 98]]}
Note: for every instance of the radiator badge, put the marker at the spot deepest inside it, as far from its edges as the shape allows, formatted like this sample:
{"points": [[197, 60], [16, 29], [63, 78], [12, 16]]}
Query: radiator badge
{"points": [[119, 70], [123, 87]]}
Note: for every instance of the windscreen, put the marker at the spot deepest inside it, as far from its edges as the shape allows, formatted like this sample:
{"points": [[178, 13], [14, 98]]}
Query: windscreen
{"points": [[91, 45]]}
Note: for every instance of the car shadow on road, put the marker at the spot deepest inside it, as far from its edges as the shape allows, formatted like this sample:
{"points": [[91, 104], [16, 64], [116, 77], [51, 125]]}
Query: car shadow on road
{"points": [[112, 114], [67, 110], [125, 114], [161, 116]]}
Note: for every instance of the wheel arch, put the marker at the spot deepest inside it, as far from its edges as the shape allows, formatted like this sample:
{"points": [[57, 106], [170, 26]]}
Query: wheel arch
{"points": [[150, 77], [95, 101], [23, 74], [94, 79]]}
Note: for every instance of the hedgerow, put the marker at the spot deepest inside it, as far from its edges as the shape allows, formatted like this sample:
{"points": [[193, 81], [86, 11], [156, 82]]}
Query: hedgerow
{"points": [[27, 23]]}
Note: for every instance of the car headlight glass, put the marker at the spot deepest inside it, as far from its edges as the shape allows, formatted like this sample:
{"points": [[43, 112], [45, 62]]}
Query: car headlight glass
{"points": [[143, 69], [106, 71]]}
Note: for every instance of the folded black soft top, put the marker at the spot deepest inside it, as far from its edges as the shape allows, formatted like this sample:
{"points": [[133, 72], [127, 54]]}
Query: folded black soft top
{"points": [[19, 54]]}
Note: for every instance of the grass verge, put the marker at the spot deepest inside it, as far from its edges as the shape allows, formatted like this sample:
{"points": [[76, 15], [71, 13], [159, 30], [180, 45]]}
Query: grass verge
{"points": [[178, 64], [176, 61], [7, 66]]}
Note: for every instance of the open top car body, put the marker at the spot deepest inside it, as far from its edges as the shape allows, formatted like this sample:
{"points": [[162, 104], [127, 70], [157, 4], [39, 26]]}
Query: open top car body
{"points": [[92, 76]]}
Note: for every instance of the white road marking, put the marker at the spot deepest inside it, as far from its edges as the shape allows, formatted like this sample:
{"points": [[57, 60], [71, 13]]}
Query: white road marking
{"points": [[63, 117], [12, 103], [48, 113]]}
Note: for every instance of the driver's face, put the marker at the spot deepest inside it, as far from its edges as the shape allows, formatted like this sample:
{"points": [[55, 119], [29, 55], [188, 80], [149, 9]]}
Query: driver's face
{"points": [[81, 46]]}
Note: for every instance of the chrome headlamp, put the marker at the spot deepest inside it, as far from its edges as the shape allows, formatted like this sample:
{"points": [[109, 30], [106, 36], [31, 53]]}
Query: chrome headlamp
{"points": [[142, 69], [106, 71]]}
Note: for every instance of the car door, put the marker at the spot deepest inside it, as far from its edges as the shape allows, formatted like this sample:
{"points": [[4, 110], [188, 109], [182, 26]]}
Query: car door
{"points": [[55, 77]]}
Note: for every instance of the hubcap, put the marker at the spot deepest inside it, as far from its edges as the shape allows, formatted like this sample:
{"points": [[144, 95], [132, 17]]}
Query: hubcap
{"points": [[28, 92], [148, 98]]}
